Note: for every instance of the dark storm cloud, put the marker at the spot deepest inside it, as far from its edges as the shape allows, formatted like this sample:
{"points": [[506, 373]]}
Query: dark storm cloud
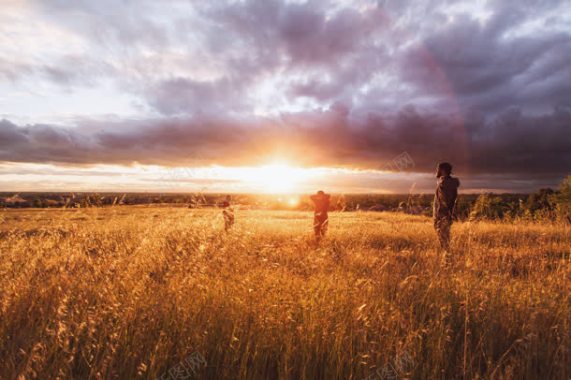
{"points": [[180, 95], [493, 95], [485, 66], [252, 40], [330, 55], [302, 31], [510, 143], [490, 72]]}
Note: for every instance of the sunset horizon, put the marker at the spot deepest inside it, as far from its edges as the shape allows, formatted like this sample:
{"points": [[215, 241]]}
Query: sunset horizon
{"points": [[240, 180]]}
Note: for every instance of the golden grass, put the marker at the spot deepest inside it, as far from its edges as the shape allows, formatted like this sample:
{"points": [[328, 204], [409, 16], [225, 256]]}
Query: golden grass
{"points": [[129, 292]]}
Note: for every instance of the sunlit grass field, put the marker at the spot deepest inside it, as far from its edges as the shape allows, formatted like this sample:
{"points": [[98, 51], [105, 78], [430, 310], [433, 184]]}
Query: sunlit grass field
{"points": [[131, 292]]}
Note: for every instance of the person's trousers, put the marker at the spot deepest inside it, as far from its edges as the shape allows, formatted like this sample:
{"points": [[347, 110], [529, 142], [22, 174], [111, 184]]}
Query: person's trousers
{"points": [[442, 226], [320, 223], [228, 219]]}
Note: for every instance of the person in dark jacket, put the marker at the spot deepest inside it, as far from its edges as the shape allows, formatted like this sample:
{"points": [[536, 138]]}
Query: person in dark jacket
{"points": [[445, 203], [320, 217]]}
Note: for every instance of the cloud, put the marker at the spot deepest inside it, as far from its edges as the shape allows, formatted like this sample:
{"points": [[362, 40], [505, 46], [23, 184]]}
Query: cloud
{"points": [[490, 72], [224, 56], [510, 143], [329, 82]]}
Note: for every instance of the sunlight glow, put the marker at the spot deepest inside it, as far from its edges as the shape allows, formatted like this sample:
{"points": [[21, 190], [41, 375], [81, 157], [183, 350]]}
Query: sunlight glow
{"points": [[293, 201], [276, 177], [273, 178]]}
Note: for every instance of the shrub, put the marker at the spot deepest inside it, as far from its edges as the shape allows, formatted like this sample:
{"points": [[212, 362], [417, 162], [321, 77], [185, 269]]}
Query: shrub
{"points": [[488, 206], [562, 200]]}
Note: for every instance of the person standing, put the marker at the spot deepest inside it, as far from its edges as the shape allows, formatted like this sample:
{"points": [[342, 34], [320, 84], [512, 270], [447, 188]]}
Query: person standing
{"points": [[445, 203], [227, 213], [320, 217]]}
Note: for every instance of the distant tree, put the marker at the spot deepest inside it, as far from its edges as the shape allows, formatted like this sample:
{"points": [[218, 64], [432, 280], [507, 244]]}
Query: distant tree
{"points": [[562, 200], [463, 206], [540, 205], [341, 204], [97, 200], [488, 206], [86, 202], [514, 208]]}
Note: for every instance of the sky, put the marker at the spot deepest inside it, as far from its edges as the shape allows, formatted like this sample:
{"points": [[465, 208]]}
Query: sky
{"points": [[283, 95]]}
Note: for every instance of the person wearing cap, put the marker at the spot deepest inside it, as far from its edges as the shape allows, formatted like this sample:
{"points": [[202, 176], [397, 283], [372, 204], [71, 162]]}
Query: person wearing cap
{"points": [[445, 203], [320, 217]]}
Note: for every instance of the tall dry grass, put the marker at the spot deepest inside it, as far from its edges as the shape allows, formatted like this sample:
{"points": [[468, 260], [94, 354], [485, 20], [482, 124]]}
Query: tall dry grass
{"points": [[127, 292]]}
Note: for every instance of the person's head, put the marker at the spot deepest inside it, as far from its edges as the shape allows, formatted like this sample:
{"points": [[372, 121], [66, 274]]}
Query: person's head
{"points": [[320, 192], [228, 197], [443, 169]]}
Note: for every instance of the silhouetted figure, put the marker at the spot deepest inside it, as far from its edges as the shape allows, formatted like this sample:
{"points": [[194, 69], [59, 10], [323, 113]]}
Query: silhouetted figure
{"points": [[227, 212], [320, 218], [445, 203]]}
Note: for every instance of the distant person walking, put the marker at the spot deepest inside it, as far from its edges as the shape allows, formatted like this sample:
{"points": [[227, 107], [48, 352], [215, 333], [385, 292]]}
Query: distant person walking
{"points": [[320, 217], [227, 212], [445, 203]]}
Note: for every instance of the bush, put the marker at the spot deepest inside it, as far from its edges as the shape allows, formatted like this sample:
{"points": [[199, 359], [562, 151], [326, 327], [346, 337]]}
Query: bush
{"points": [[562, 200], [540, 205], [488, 206]]}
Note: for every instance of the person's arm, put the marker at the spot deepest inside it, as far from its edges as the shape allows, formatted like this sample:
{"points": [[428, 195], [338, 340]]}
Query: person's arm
{"points": [[455, 198], [441, 196], [450, 194], [453, 212]]}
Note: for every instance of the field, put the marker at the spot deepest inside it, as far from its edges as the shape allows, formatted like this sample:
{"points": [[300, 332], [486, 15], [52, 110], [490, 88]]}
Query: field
{"points": [[143, 292]]}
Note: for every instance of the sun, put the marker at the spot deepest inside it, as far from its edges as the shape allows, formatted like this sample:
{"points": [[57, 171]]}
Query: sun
{"points": [[278, 178], [292, 201], [272, 178]]}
